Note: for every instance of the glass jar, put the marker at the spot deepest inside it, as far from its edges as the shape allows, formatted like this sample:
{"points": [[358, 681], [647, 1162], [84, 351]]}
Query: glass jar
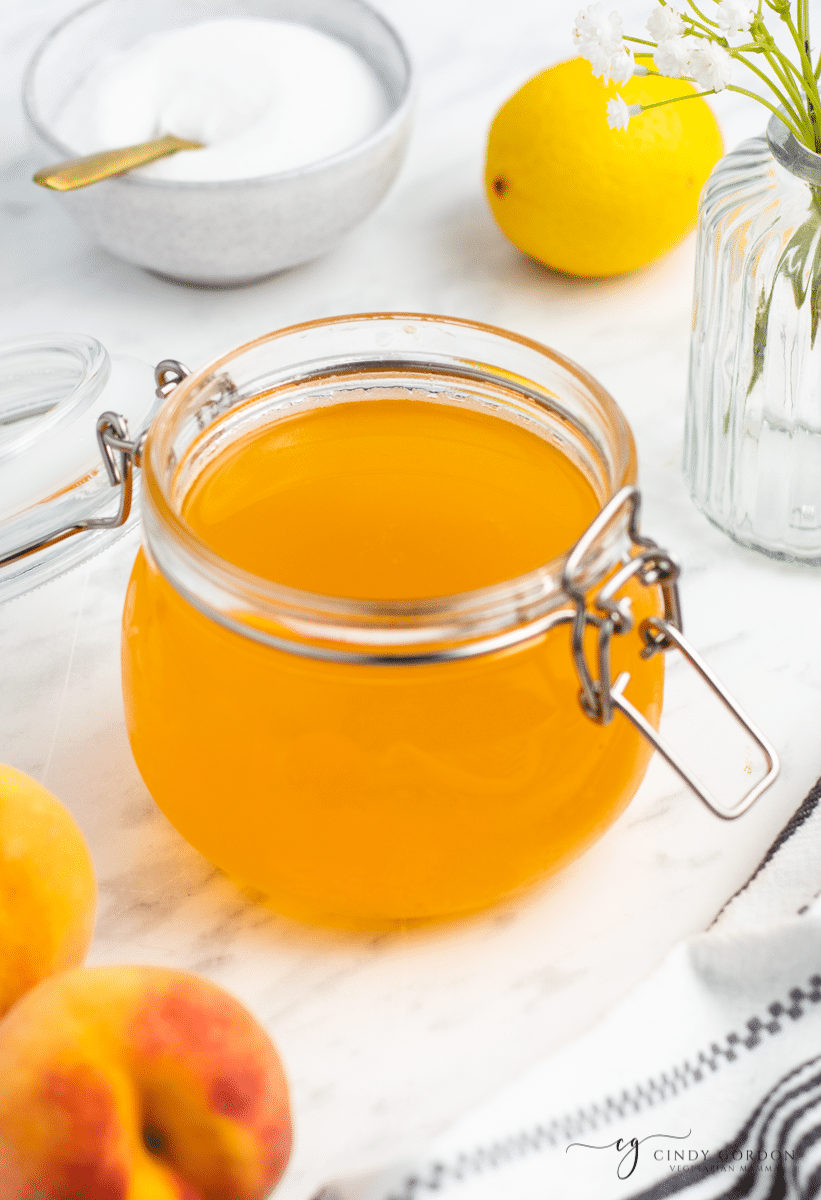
{"points": [[753, 430], [364, 761], [53, 478]]}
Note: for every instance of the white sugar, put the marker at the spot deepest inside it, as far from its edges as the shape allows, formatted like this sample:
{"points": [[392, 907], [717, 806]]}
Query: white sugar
{"points": [[263, 96]]}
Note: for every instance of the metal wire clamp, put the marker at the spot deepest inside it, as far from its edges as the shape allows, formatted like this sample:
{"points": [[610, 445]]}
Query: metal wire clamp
{"points": [[120, 456], [600, 696]]}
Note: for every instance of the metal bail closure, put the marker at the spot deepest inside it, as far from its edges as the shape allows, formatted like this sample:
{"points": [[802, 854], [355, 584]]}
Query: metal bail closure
{"points": [[120, 456], [600, 697]]}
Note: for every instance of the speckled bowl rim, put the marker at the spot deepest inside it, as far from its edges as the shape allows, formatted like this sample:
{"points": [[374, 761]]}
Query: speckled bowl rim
{"points": [[384, 133]]}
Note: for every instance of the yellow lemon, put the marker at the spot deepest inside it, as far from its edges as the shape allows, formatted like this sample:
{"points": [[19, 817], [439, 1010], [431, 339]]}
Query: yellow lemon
{"points": [[590, 200]]}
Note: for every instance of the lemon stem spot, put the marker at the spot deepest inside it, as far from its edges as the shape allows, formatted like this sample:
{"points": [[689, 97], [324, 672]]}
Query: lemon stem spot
{"points": [[154, 1140]]}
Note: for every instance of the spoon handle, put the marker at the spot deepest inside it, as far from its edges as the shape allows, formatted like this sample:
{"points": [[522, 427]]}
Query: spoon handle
{"points": [[80, 172]]}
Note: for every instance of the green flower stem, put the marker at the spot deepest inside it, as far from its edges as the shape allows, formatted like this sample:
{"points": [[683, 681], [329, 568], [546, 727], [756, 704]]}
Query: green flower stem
{"points": [[795, 113], [707, 21], [804, 23], [785, 62], [810, 86], [796, 36], [793, 84], [817, 70], [797, 116], [800, 39], [800, 43], [806, 32], [773, 55], [779, 64], [798, 111], [676, 99], [794, 93], [732, 87], [698, 28]]}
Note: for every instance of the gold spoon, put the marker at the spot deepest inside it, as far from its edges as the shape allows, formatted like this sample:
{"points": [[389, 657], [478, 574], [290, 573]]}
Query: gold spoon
{"points": [[80, 172]]}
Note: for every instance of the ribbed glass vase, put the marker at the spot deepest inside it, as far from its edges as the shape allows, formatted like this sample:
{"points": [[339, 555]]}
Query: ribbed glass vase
{"points": [[753, 433]]}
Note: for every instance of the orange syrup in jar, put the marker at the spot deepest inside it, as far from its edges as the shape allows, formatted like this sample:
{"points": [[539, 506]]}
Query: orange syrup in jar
{"points": [[365, 794]]}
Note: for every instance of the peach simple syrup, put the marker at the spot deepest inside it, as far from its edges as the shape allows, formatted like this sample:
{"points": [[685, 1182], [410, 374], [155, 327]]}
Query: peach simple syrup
{"points": [[371, 793]]}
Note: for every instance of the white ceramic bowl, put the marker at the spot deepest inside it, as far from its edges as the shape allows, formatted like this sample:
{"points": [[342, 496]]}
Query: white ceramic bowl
{"points": [[232, 231]]}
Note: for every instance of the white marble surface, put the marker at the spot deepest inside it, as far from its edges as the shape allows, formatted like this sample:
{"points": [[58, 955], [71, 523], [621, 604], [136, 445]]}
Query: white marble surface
{"points": [[387, 1037]]}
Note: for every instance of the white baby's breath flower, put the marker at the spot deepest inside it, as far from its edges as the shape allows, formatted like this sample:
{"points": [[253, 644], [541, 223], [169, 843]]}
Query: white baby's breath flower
{"points": [[595, 30], [664, 22], [670, 58], [598, 38], [599, 60], [618, 66], [710, 66], [619, 113], [734, 16], [622, 65]]}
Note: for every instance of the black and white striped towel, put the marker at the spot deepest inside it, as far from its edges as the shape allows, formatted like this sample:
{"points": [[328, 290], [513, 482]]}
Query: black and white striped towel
{"points": [[704, 1082]]}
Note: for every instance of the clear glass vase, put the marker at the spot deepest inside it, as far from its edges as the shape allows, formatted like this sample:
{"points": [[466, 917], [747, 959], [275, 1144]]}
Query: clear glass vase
{"points": [[752, 452]]}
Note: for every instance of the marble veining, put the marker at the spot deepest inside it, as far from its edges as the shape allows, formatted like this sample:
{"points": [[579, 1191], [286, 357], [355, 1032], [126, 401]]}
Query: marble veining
{"points": [[387, 1037]]}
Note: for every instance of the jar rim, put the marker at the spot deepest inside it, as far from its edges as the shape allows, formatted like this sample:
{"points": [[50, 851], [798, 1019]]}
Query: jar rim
{"points": [[791, 154], [207, 580]]}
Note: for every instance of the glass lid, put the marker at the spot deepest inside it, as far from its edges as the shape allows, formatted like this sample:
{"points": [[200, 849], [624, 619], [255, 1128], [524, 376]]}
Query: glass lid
{"points": [[53, 387]]}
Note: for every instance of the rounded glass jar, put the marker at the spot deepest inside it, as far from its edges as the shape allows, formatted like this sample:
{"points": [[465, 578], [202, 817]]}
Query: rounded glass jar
{"points": [[364, 761]]}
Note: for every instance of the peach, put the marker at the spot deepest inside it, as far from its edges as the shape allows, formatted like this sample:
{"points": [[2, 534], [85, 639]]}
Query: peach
{"points": [[138, 1083], [48, 892]]}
